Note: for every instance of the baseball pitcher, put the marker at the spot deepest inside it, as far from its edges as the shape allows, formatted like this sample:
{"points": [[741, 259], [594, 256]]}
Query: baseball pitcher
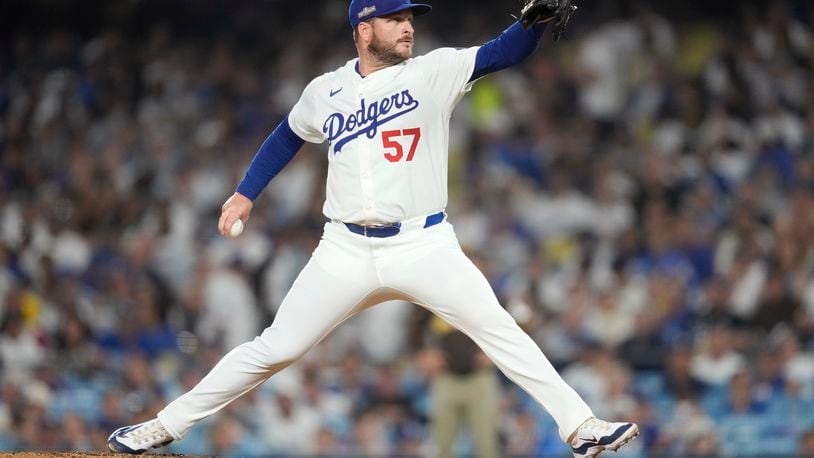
{"points": [[385, 118]]}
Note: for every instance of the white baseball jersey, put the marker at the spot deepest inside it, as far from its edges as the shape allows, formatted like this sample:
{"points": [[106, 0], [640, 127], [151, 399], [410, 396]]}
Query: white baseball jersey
{"points": [[388, 134]]}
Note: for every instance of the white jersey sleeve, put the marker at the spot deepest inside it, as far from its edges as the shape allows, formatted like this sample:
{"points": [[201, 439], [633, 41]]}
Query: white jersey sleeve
{"points": [[302, 118], [448, 72]]}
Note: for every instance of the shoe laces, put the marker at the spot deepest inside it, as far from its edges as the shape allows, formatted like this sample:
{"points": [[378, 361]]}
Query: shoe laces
{"points": [[151, 432], [597, 427]]}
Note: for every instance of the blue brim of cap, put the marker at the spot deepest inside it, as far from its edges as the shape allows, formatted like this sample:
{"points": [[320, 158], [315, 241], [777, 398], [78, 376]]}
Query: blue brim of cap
{"points": [[418, 9]]}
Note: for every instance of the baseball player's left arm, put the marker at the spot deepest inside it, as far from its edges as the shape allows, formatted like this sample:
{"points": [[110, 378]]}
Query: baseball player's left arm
{"points": [[510, 48], [452, 72]]}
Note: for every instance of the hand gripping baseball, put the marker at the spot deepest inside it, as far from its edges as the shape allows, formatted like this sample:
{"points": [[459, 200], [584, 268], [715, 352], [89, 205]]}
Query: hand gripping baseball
{"points": [[538, 11], [237, 207]]}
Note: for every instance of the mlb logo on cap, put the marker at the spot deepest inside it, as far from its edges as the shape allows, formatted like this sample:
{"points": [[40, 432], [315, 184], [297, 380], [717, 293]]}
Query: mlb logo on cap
{"points": [[362, 10]]}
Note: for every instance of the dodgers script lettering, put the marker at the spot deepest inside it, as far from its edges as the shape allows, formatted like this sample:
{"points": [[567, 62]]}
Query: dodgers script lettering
{"points": [[342, 128]]}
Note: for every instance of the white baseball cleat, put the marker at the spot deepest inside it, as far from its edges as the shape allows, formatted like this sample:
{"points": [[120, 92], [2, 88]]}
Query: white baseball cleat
{"points": [[595, 436], [137, 439]]}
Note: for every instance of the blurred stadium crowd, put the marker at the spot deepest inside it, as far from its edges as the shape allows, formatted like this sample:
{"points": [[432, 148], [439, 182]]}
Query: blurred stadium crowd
{"points": [[641, 198]]}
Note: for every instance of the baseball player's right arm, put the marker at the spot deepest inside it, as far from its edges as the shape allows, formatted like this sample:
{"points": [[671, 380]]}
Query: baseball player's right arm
{"points": [[274, 154]]}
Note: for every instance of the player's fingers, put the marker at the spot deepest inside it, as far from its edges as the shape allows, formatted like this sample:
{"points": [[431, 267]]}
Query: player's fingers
{"points": [[221, 222], [242, 206], [225, 222], [241, 214], [237, 206]]}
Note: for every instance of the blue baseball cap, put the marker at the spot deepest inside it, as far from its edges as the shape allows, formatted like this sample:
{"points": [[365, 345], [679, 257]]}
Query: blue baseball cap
{"points": [[362, 10]]}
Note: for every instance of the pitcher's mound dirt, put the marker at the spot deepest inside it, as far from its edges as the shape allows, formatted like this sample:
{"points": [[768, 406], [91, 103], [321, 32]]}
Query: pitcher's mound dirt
{"points": [[74, 455]]}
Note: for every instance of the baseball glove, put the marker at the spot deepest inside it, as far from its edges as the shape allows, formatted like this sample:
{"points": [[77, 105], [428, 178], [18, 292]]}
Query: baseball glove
{"points": [[538, 11]]}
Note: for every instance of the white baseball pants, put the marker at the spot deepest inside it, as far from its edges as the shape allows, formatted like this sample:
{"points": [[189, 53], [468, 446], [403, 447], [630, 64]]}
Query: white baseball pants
{"points": [[348, 273]]}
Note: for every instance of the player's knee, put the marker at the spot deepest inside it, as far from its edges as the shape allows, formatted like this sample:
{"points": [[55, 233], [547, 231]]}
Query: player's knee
{"points": [[287, 354], [277, 350], [494, 317]]}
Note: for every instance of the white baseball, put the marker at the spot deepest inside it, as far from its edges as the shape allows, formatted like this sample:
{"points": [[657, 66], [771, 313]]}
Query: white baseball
{"points": [[236, 229]]}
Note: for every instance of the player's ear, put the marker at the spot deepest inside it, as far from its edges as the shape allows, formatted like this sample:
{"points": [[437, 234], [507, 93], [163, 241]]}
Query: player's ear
{"points": [[364, 31]]}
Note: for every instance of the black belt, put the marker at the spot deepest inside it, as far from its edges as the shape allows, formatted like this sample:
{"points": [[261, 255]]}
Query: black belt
{"points": [[389, 230]]}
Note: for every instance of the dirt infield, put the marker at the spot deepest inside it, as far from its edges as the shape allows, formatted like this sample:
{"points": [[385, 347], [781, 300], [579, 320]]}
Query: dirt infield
{"points": [[72, 454], [56, 454]]}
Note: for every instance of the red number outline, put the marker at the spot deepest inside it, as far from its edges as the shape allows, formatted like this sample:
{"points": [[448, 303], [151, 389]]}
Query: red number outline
{"points": [[388, 143], [416, 134]]}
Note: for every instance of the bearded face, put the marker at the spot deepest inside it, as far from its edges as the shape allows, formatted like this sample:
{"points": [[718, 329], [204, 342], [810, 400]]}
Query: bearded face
{"points": [[391, 52], [391, 41]]}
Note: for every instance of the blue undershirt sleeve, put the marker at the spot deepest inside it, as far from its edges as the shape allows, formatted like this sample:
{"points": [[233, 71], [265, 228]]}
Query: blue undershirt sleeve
{"points": [[510, 48], [277, 151]]}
